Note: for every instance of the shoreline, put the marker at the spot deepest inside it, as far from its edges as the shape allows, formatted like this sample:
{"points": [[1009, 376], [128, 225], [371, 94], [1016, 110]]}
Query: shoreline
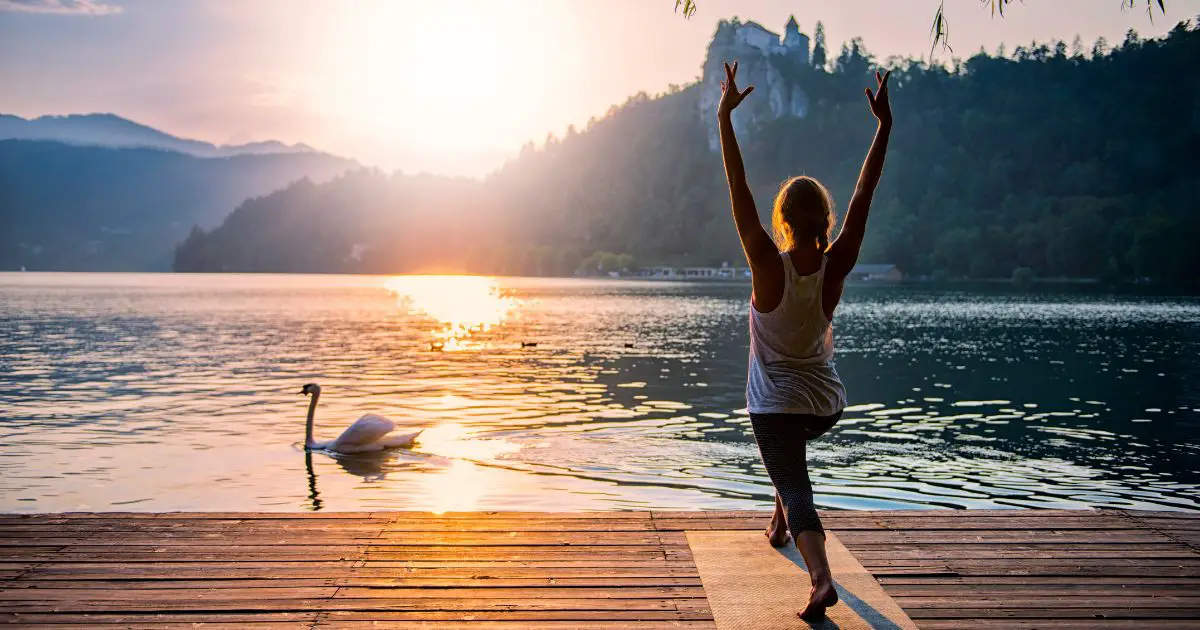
{"points": [[1091, 285]]}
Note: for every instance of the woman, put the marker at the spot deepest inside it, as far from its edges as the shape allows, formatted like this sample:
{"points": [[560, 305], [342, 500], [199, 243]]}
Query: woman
{"points": [[793, 393]]}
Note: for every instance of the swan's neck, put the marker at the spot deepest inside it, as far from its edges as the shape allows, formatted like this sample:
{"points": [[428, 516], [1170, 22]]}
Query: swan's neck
{"points": [[308, 427]]}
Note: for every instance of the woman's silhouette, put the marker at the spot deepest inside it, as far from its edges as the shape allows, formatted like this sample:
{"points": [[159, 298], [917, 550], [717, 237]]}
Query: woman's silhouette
{"points": [[793, 392]]}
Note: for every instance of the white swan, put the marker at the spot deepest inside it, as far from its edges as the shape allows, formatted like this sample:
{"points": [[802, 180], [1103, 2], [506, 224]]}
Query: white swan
{"points": [[368, 434]]}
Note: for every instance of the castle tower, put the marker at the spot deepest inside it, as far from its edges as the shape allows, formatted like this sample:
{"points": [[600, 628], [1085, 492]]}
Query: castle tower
{"points": [[794, 41]]}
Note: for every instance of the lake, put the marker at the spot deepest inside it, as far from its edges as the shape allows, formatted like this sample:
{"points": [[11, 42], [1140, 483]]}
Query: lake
{"points": [[156, 392]]}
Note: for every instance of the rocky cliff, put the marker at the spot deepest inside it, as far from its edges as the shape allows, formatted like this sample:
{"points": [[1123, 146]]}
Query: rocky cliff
{"points": [[772, 66]]}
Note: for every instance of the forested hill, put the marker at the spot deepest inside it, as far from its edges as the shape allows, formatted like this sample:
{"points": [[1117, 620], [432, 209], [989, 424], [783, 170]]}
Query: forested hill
{"points": [[1073, 161], [83, 208]]}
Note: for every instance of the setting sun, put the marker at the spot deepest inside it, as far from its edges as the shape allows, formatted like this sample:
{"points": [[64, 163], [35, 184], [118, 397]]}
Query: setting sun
{"points": [[458, 75]]}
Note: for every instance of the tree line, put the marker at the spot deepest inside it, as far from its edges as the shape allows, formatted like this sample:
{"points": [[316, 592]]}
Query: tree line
{"points": [[1056, 159]]}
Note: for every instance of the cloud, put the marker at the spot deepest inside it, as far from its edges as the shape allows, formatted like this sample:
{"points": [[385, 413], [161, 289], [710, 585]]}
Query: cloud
{"points": [[64, 7]]}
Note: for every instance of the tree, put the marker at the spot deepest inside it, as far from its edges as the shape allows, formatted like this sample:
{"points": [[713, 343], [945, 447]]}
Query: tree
{"points": [[941, 28], [818, 54], [940, 31], [1077, 48]]}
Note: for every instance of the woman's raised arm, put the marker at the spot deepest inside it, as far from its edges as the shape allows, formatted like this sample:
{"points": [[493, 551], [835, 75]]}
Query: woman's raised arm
{"points": [[843, 254], [765, 265]]}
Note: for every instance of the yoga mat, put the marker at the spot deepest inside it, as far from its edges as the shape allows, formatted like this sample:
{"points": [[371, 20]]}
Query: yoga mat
{"points": [[752, 585]]}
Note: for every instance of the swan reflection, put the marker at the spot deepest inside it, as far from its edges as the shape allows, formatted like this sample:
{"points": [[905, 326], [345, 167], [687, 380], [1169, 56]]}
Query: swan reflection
{"points": [[369, 466], [462, 305], [314, 496]]}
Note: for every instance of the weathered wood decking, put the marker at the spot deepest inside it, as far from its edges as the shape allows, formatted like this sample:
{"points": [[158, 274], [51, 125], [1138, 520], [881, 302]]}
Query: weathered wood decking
{"points": [[948, 569]]}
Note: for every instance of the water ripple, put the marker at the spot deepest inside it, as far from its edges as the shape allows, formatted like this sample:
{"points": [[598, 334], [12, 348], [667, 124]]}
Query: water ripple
{"points": [[167, 392]]}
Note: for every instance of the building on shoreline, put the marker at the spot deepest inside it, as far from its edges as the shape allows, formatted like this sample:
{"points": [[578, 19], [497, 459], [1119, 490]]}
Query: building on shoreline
{"points": [[699, 273], [860, 273], [875, 273]]}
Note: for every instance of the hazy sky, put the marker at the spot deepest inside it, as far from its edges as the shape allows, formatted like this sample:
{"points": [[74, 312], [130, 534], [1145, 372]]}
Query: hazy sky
{"points": [[448, 86]]}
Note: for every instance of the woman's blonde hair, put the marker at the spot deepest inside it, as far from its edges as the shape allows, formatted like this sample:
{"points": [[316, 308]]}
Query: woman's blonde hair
{"points": [[803, 213]]}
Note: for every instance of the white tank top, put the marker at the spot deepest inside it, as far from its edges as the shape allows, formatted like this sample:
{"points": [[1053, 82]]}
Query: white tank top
{"points": [[791, 351]]}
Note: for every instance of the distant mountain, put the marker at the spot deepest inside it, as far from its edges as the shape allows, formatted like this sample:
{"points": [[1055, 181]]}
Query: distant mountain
{"points": [[92, 208], [110, 130]]}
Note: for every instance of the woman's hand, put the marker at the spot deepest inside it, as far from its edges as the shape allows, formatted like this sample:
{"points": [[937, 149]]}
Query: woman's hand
{"points": [[880, 106], [730, 96]]}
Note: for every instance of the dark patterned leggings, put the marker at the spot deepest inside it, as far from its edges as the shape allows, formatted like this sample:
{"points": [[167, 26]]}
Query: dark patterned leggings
{"points": [[782, 439]]}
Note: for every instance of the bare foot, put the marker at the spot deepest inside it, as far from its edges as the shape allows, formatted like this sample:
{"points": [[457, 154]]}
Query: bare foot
{"points": [[822, 596], [777, 531]]}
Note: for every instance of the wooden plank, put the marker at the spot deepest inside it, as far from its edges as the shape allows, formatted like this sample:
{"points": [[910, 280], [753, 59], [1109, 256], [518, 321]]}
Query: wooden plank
{"points": [[1182, 515], [466, 583], [1001, 523], [983, 623], [1098, 611], [644, 515], [388, 618], [405, 526], [303, 541], [948, 513], [322, 551], [1031, 537], [10, 597], [1023, 591], [475, 624], [251, 592], [211, 621], [1025, 552], [519, 618], [244, 571], [540, 592], [1022, 580], [158, 618], [230, 603], [1150, 565]]}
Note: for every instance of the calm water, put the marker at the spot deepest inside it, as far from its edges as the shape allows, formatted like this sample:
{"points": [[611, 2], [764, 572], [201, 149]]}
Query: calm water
{"points": [[173, 392]]}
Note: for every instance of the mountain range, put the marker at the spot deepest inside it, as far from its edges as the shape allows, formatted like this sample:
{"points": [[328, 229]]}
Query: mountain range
{"points": [[110, 130], [98, 192]]}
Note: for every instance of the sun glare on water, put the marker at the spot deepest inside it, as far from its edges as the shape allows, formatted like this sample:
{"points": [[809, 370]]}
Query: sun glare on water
{"points": [[462, 306], [469, 477]]}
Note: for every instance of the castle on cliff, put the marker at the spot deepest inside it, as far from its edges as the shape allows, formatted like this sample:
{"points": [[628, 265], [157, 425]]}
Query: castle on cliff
{"points": [[755, 35]]}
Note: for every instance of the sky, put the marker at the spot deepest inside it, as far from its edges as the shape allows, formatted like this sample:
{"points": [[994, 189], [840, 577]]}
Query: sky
{"points": [[443, 86]]}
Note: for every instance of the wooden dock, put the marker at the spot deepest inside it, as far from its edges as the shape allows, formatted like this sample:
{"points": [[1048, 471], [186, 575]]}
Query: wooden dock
{"points": [[947, 569]]}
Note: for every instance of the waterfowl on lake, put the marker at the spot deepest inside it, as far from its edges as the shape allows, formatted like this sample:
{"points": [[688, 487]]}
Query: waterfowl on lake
{"points": [[368, 434]]}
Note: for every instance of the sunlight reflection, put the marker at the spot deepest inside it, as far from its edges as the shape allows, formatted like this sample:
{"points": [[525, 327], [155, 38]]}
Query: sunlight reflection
{"points": [[456, 441], [460, 486], [458, 489], [463, 305]]}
